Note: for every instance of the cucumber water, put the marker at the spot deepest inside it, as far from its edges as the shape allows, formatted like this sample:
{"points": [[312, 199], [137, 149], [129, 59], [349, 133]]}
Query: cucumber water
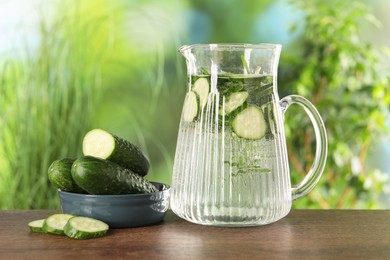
{"points": [[229, 140]]}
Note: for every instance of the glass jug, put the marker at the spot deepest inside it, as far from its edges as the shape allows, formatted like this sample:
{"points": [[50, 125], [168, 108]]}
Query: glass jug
{"points": [[231, 166]]}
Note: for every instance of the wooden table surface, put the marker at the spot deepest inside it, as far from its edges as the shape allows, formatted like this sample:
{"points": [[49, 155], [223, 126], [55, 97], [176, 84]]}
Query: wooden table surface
{"points": [[303, 234]]}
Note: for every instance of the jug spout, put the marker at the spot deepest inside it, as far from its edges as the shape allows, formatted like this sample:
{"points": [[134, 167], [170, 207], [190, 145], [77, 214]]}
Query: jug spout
{"points": [[184, 50]]}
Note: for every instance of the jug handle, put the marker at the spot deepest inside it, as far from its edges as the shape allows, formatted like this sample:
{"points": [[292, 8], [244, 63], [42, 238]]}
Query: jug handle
{"points": [[315, 172]]}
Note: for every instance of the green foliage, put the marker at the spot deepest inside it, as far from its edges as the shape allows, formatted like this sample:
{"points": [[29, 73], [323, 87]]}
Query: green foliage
{"points": [[230, 21], [143, 80], [341, 75], [46, 102]]}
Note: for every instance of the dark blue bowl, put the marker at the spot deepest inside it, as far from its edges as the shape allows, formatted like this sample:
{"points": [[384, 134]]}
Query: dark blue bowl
{"points": [[119, 211]]}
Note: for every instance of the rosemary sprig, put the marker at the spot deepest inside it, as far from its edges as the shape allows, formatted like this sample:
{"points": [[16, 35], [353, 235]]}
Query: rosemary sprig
{"points": [[245, 64]]}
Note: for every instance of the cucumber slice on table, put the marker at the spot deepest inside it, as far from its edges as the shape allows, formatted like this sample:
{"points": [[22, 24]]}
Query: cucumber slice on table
{"points": [[55, 223], [102, 144], [36, 225], [191, 106], [102, 177], [202, 88], [85, 228], [234, 101], [250, 123]]}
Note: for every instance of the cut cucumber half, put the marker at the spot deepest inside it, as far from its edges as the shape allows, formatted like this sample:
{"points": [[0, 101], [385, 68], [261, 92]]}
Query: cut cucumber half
{"points": [[36, 225], [98, 143], [202, 88], [104, 145], [250, 123], [191, 106], [85, 228], [55, 223], [234, 101]]}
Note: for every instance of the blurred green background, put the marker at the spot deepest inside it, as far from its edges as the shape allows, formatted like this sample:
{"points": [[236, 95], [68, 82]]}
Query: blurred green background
{"points": [[69, 66]]}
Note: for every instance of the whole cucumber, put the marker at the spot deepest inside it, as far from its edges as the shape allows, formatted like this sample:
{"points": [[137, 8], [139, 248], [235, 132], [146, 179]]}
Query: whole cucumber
{"points": [[59, 174], [102, 177]]}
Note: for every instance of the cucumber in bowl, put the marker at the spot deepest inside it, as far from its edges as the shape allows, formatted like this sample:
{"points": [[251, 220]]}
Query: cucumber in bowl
{"points": [[102, 144], [59, 174], [102, 177]]}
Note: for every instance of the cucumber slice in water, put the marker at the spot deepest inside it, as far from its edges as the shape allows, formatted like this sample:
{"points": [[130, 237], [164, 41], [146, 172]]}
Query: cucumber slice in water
{"points": [[85, 228], [36, 225], [55, 223], [250, 123], [202, 88], [234, 101], [191, 106]]}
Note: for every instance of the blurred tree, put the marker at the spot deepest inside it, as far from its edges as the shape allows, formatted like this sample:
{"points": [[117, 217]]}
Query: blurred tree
{"points": [[229, 21], [342, 76], [141, 93]]}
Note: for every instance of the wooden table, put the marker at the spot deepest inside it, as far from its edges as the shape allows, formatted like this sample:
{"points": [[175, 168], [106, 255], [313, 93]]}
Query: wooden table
{"points": [[303, 234]]}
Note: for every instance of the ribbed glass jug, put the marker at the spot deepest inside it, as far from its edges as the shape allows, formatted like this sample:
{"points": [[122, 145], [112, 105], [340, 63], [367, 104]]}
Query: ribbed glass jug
{"points": [[231, 166]]}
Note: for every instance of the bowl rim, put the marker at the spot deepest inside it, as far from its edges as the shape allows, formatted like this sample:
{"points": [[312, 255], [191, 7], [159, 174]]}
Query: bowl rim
{"points": [[165, 188]]}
